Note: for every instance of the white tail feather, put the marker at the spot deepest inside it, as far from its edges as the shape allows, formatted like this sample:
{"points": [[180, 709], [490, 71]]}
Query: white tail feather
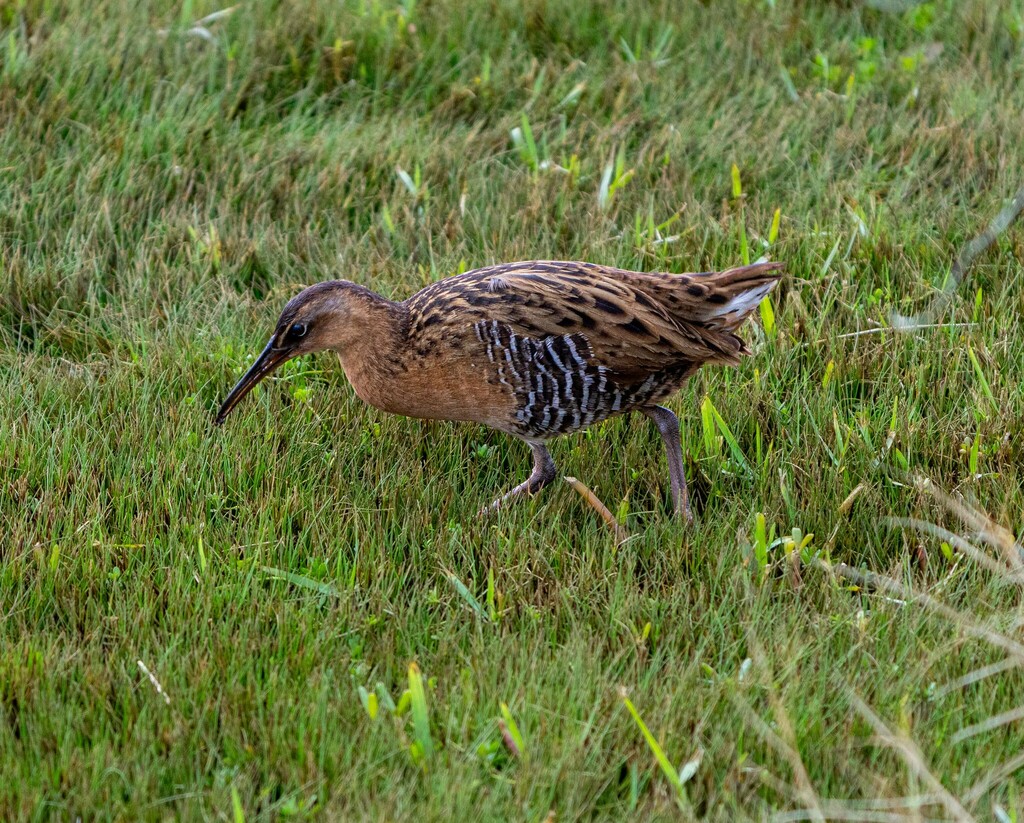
{"points": [[743, 303]]}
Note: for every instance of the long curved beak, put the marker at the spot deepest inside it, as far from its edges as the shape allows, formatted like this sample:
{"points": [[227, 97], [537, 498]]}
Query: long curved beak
{"points": [[269, 359]]}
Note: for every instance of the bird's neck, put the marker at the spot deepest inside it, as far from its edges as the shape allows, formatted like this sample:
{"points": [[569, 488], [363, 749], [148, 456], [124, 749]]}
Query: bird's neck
{"points": [[373, 354]]}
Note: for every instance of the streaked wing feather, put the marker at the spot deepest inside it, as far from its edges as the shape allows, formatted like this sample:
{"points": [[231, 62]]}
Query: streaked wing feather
{"points": [[635, 323]]}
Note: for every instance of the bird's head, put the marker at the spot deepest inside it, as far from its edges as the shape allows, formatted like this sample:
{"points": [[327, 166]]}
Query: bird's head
{"points": [[316, 319]]}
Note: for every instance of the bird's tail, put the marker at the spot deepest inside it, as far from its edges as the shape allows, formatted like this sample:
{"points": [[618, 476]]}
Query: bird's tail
{"points": [[729, 296]]}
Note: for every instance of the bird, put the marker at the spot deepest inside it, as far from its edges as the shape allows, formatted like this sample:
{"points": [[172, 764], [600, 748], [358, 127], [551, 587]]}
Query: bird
{"points": [[534, 349]]}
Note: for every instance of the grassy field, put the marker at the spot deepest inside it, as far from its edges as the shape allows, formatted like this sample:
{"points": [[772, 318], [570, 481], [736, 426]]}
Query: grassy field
{"points": [[164, 189]]}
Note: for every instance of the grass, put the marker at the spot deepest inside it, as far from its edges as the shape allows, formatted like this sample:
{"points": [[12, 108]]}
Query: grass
{"points": [[163, 191]]}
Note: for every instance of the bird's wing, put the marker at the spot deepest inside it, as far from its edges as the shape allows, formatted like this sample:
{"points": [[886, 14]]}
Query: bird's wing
{"points": [[635, 324]]}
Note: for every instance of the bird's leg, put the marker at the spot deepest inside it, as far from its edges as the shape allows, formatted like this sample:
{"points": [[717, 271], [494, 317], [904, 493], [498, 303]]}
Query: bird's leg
{"points": [[544, 472], [668, 426]]}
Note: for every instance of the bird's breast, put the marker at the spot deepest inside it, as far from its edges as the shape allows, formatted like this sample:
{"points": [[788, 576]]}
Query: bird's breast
{"points": [[447, 385]]}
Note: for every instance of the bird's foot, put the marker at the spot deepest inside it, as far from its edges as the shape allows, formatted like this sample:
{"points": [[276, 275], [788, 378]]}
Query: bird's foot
{"points": [[543, 473]]}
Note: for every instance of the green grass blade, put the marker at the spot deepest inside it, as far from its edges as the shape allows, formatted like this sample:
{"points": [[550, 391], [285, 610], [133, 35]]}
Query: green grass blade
{"points": [[773, 232], [767, 316], [369, 701], [728, 436], [985, 387], [467, 595], [420, 717], [513, 730], [302, 581], [659, 754], [707, 419], [237, 812], [760, 543]]}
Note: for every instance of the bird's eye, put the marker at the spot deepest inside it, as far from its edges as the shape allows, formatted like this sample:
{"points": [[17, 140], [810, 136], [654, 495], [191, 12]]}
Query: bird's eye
{"points": [[297, 330]]}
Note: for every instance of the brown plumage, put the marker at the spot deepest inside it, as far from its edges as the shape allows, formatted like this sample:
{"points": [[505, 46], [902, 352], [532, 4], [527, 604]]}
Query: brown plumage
{"points": [[535, 349]]}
